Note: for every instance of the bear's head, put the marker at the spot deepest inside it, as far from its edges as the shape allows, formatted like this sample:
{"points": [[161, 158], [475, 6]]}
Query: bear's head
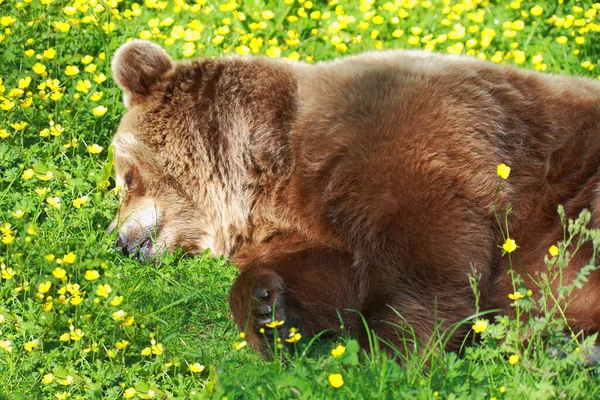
{"points": [[198, 141], [170, 194]]}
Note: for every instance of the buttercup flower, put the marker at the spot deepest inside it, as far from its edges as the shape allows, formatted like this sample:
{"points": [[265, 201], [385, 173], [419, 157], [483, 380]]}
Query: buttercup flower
{"points": [[196, 367], [338, 351], [71, 70], [59, 273], [103, 290], [509, 245], [99, 111], [48, 378], [503, 171], [95, 148], [336, 380], [516, 296], [69, 258], [274, 324], [91, 275], [480, 325]]}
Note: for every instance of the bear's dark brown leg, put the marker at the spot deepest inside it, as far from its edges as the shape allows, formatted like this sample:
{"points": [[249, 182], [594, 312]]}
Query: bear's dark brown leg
{"points": [[310, 289], [415, 322]]}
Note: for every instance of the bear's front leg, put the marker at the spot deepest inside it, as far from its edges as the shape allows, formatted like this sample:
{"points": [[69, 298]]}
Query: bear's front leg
{"points": [[257, 301], [309, 290]]}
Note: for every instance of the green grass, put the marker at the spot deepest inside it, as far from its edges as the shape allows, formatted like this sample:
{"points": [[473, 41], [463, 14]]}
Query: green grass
{"points": [[56, 198]]}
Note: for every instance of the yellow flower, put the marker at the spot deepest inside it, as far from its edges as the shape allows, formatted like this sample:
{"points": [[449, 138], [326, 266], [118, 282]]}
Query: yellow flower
{"points": [[19, 126], [146, 351], [520, 58], [71, 70], [76, 300], [67, 381], [60, 26], [4, 133], [7, 239], [7, 105], [87, 59], [149, 394], [268, 14], [49, 53], [56, 130], [239, 345], [129, 393], [99, 78], [48, 378], [480, 325], [158, 349], [536, 11], [65, 337], [69, 258], [196, 367], [562, 39], [509, 245], [28, 174], [49, 257], [54, 201], [516, 296], [122, 344], [119, 315], [553, 250], [59, 273], [273, 52], [294, 337], [7, 21], [47, 176], [6, 345], [503, 171], [18, 214], [98, 112], [42, 191], [44, 287], [83, 86], [513, 359], [91, 68], [128, 321], [76, 334], [336, 380], [7, 273], [338, 351], [96, 96], [103, 290], [48, 306], [77, 203], [274, 324], [95, 148], [29, 346], [116, 301], [24, 82], [91, 275]]}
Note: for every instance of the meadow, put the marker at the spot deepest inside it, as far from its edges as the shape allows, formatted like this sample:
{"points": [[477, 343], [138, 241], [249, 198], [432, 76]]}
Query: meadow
{"points": [[80, 320]]}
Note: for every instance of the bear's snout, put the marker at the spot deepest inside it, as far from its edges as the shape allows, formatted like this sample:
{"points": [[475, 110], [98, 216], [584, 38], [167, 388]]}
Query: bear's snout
{"points": [[140, 248]]}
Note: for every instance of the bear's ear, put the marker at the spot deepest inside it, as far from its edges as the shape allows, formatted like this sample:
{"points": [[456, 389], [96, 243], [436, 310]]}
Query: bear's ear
{"points": [[137, 66]]}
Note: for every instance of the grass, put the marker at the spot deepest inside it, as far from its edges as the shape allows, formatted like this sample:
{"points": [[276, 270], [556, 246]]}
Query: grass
{"points": [[79, 320]]}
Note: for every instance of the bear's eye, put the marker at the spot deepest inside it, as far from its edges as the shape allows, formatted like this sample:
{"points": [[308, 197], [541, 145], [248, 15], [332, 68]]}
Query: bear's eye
{"points": [[128, 178]]}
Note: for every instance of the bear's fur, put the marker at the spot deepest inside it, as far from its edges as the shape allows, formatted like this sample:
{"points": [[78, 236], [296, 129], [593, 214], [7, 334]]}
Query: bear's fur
{"points": [[367, 183]]}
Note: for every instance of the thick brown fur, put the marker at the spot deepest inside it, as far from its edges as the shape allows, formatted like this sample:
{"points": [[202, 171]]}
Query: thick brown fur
{"points": [[367, 183]]}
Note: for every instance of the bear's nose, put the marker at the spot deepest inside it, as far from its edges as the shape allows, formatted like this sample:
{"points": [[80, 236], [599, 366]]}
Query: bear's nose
{"points": [[122, 245]]}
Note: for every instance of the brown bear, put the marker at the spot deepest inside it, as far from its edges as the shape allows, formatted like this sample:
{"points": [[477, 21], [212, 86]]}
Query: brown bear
{"points": [[361, 187]]}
